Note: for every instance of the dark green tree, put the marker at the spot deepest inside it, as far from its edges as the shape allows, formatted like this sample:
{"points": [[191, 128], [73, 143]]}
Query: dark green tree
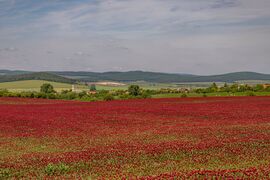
{"points": [[134, 90], [234, 88], [47, 88], [214, 87], [258, 87], [93, 87], [226, 88]]}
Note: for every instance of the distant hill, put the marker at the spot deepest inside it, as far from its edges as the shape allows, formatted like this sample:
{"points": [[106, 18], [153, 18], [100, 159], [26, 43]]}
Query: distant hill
{"points": [[232, 77], [162, 77], [130, 76], [10, 72], [36, 76]]}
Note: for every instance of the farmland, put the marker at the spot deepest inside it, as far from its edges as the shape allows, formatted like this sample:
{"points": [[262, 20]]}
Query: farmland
{"points": [[34, 85], [225, 137]]}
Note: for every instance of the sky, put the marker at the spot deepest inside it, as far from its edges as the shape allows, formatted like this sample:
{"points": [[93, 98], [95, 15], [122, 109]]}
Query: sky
{"points": [[175, 36]]}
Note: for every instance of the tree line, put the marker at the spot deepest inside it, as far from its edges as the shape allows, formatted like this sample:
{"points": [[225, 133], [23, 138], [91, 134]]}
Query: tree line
{"points": [[233, 88], [47, 91]]}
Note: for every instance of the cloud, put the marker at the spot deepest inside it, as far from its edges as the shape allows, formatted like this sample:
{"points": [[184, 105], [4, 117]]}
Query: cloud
{"points": [[82, 54], [159, 35], [132, 16], [10, 49]]}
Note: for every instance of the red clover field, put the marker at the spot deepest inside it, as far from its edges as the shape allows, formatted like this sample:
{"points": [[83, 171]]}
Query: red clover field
{"points": [[177, 138]]}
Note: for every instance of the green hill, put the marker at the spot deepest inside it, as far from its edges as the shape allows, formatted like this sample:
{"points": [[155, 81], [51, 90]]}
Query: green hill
{"points": [[132, 76], [34, 85], [37, 76], [10, 72]]}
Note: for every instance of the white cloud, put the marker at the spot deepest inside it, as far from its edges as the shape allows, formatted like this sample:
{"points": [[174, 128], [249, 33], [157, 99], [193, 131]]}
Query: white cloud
{"points": [[142, 17], [160, 35]]}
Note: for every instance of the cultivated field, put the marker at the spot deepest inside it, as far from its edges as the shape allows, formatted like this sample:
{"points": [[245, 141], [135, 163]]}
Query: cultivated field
{"points": [[34, 85], [157, 86], [227, 137]]}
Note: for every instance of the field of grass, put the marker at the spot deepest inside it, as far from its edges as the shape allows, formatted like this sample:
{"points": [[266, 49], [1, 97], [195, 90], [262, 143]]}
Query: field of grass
{"points": [[142, 85], [34, 85], [177, 138], [217, 94], [254, 82], [155, 86]]}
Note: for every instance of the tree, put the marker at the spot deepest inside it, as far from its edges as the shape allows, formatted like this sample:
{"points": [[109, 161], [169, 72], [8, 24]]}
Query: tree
{"points": [[134, 90], [214, 87], [258, 87], [234, 88], [226, 88], [47, 88], [93, 87]]}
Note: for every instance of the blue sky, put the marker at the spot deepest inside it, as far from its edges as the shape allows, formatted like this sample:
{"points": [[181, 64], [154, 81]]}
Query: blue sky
{"points": [[182, 36]]}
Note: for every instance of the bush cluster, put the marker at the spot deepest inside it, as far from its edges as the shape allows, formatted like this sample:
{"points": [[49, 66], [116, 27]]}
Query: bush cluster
{"points": [[47, 92], [233, 88], [134, 91]]}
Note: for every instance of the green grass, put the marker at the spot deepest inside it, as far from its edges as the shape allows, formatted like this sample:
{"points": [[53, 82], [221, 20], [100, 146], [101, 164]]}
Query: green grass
{"points": [[109, 88], [34, 85], [147, 85], [170, 95], [254, 82]]}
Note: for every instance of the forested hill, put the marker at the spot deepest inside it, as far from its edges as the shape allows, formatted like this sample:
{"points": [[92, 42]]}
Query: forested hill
{"points": [[162, 77], [36, 76], [130, 76], [10, 72]]}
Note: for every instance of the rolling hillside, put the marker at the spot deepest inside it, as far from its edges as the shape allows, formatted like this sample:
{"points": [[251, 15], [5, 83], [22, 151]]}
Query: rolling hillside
{"points": [[34, 85], [36, 76], [132, 76], [10, 72]]}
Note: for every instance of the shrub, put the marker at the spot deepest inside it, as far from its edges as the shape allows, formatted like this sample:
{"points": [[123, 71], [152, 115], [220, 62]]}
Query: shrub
{"points": [[125, 96], [82, 94], [108, 97], [40, 95], [47, 88], [146, 95], [250, 93], [258, 88], [88, 98], [134, 90], [26, 94], [68, 95], [184, 95], [3, 92], [51, 96], [11, 94], [56, 169]]}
